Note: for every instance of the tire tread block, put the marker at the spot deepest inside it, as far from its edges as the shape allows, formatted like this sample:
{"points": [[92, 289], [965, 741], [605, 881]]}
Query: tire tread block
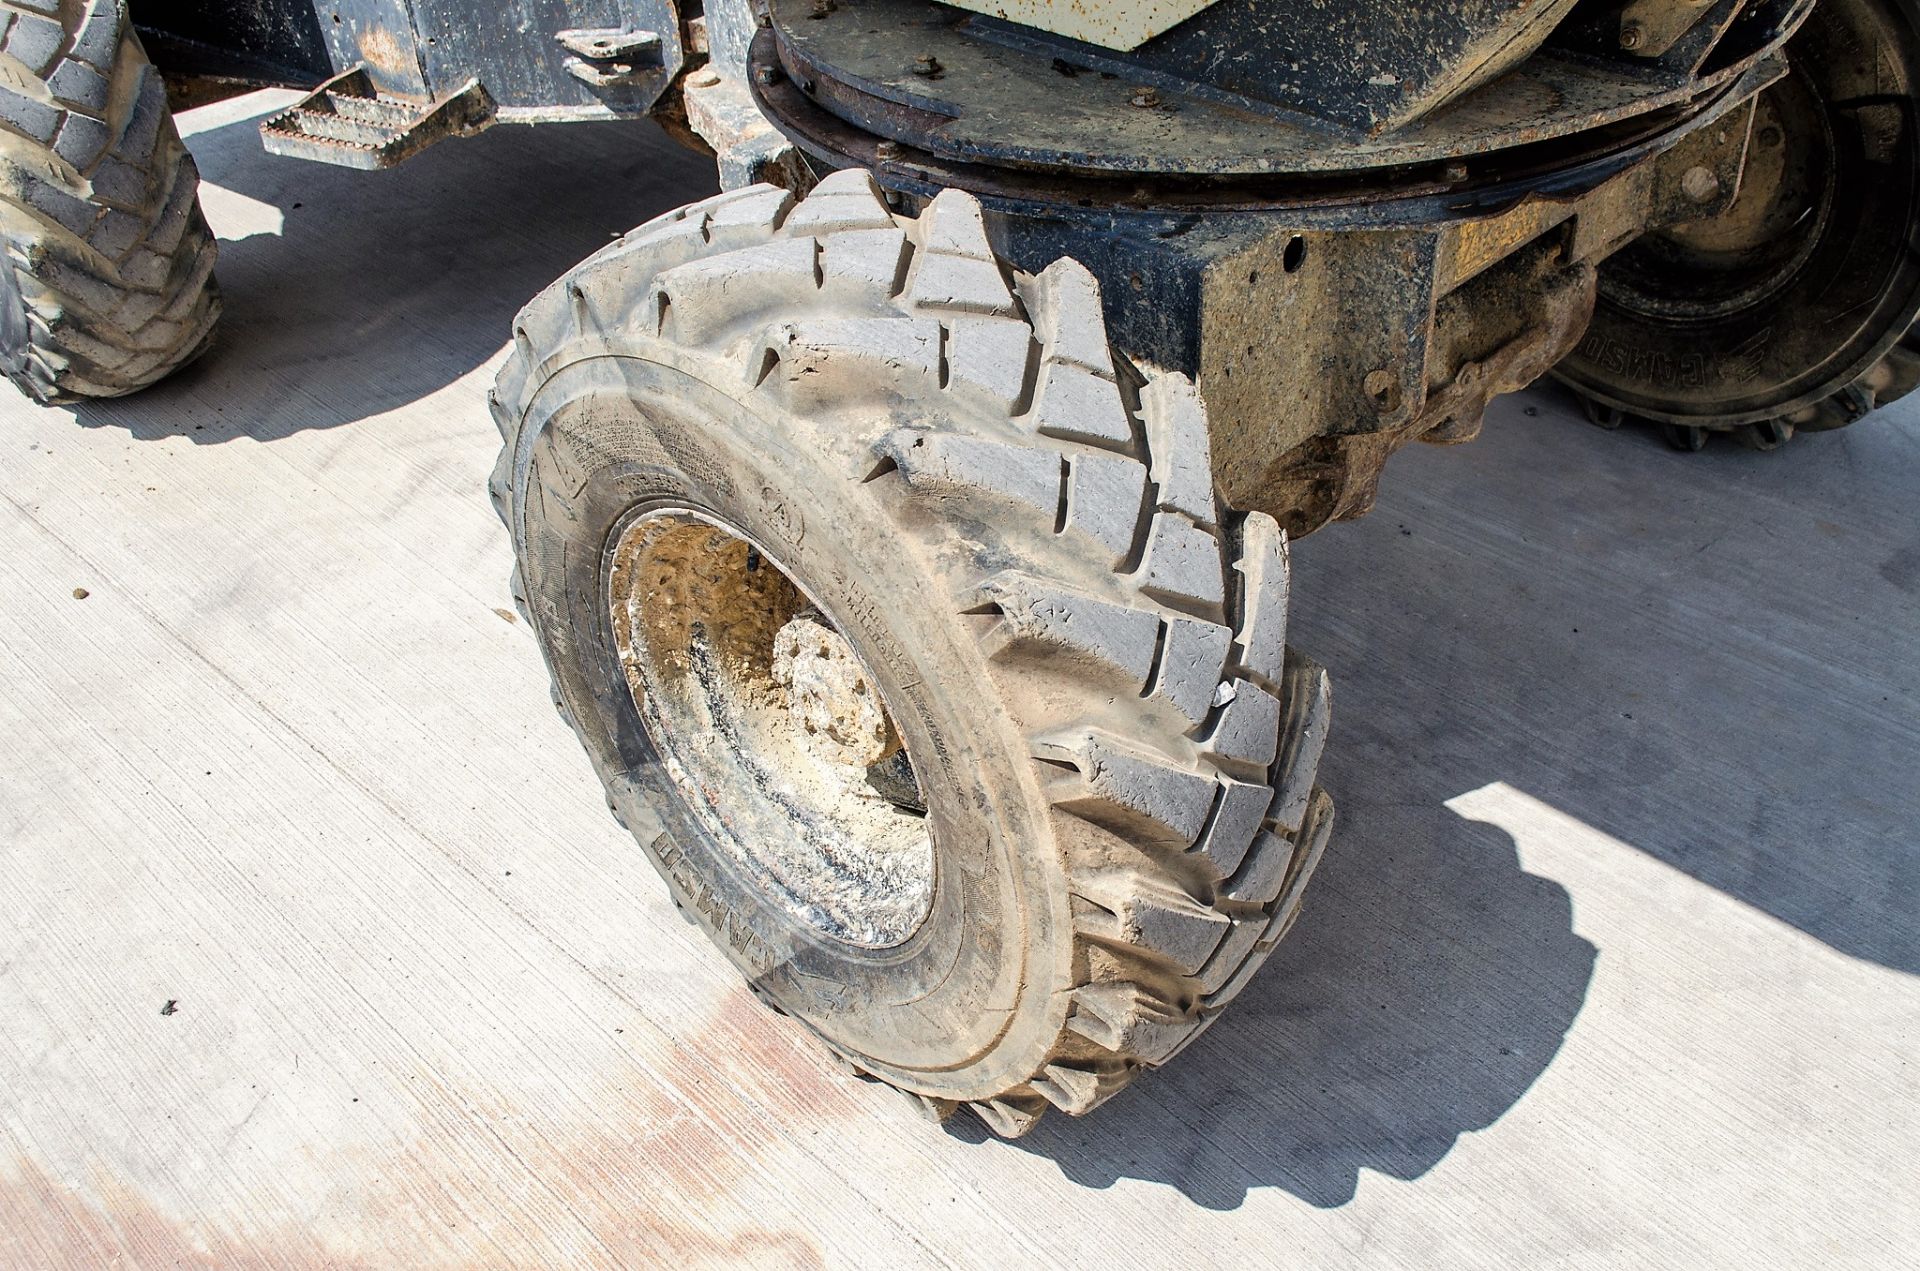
{"points": [[1303, 736], [1039, 615], [1130, 791]]}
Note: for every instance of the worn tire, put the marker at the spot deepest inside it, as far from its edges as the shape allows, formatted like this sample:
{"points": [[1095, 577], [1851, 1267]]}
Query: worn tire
{"points": [[1016, 529], [1793, 310], [107, 284]]}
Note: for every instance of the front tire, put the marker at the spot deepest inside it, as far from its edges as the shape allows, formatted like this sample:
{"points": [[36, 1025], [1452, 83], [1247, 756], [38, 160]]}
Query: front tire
{"points": [[754, 427], [106, 285]]}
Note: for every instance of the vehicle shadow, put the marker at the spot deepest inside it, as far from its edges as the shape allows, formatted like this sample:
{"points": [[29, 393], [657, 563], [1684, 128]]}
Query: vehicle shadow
{"points": [[1708, 658], [351, 293]]}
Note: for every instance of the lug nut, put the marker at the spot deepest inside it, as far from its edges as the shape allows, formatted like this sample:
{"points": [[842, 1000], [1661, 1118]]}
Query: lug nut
{"points": [[927, 65], [765, 75]]}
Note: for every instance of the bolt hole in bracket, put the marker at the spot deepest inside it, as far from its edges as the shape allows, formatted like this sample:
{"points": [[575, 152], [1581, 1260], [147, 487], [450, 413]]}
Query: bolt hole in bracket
{"points": [[610, 57]]}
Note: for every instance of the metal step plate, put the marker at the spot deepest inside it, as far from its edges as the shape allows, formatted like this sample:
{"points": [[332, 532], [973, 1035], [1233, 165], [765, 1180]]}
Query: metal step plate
{"points": [[347, 122]]}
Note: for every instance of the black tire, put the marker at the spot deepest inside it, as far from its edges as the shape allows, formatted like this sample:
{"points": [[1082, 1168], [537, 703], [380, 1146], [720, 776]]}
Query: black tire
{"points": [[1794, 309], [1015, 530], [107, 284]]}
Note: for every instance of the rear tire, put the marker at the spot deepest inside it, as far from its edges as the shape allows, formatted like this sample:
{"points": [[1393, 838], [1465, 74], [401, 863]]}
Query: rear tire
{"points": [[1794, 309], [107, 281], [1014, 531]]}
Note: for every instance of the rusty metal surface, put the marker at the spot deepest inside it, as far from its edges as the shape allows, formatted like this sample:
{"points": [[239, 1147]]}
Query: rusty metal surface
{"points": [[990, 102], [719, 113], [1367, 65], [540, 60], [1376, 198], [1650, 28], [1407, 336], [1676, 35], [1495, 335]]}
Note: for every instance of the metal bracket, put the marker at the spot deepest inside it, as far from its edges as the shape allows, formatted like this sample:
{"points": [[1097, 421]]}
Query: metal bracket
{"points": [[604, 44], [610, 57]]}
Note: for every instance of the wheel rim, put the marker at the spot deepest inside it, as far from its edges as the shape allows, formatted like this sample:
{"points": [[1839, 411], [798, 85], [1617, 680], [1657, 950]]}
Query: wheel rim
{"points": [[773, 730], [1733, 261]]}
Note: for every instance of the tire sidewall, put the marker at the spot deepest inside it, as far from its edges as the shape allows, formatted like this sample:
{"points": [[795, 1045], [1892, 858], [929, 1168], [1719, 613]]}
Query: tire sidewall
{"points": [[969, 1004], [16, 336]]}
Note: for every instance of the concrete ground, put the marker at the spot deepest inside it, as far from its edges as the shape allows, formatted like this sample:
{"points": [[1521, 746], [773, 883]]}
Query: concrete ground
{"points": [[320, 947]]}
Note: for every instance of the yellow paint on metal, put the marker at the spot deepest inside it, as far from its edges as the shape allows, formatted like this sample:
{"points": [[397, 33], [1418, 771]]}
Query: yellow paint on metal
{"points": [[1112, 24]]}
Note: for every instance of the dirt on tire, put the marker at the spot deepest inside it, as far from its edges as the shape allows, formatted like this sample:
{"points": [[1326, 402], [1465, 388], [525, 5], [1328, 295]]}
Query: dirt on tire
{"points": [[107, 284], [1016, 528]]}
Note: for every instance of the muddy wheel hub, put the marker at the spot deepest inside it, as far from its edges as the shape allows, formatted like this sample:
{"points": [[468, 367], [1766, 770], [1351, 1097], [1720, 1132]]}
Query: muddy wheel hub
{"points": [[774, 731], [828, 695]]}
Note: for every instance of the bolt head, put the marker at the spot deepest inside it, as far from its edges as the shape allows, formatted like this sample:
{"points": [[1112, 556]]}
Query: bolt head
{"points": [[1382, 389], [1632, 36], [1699, 184]]}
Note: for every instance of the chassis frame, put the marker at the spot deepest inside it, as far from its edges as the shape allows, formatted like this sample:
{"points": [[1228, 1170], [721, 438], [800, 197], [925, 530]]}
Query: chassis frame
{"points": [[1346, 264]]}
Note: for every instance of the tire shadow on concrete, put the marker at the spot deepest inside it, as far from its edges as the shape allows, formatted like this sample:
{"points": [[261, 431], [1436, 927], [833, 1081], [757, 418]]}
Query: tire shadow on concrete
{"points": [[1708, 657], [348, 294], [1426, 986]]}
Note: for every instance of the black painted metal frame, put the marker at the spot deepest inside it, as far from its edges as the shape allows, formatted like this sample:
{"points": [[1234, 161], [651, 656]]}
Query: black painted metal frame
{"points": [[421, 50]]}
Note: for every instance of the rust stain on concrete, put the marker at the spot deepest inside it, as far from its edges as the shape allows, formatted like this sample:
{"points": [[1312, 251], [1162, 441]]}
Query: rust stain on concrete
{"points": [[634, 1181]]}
